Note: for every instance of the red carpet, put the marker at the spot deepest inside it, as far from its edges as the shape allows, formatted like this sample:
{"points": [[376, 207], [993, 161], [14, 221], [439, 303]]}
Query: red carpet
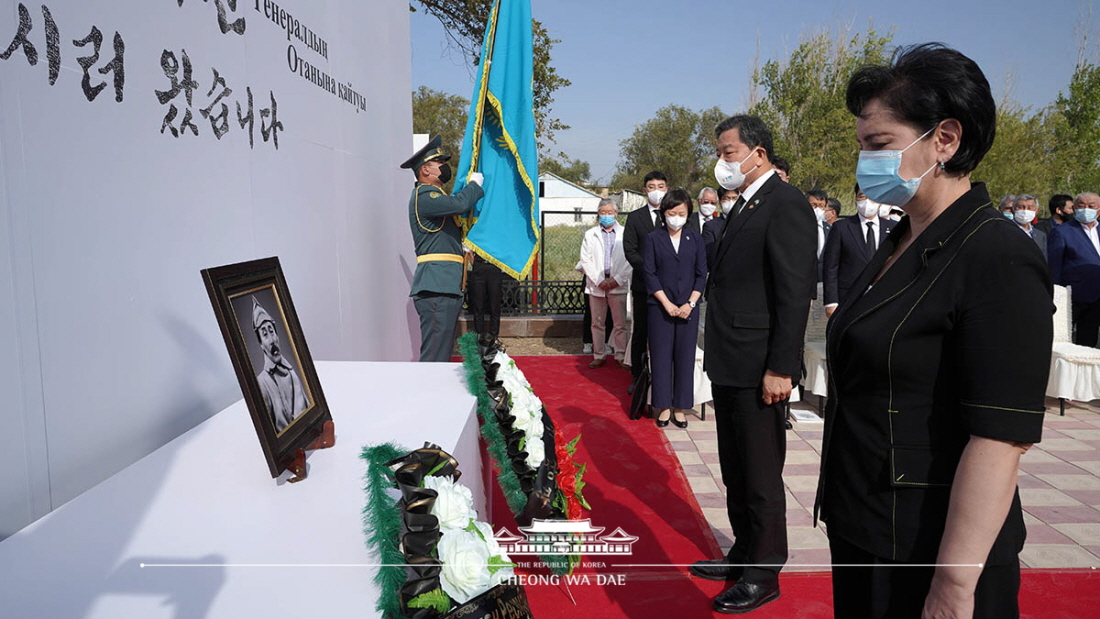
{"points": [[635, 483]]}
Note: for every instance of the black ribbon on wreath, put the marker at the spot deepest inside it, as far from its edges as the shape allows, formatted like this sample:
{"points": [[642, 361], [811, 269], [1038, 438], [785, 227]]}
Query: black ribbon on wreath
{"points": [[419, 528]]}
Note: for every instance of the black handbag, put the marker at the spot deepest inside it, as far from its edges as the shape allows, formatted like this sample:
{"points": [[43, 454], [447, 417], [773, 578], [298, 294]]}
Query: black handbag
{"points": [[639, 404]]}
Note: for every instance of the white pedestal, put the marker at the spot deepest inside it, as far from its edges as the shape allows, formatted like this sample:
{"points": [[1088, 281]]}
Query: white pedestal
{"points": [[205, 501]]}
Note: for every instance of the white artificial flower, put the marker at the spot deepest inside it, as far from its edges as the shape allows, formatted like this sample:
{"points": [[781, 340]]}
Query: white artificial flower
{"points": [[454, 507], [525, 403], [530, 425], [465, 557], [504, 573], [536, 452]]}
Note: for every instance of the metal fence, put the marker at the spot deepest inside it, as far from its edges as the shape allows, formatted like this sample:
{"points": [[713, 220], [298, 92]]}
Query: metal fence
{"points": [[560, 249], [540, 297], [560, 287]]}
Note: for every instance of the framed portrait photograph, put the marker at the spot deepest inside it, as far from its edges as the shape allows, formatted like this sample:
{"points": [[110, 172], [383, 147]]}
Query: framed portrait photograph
{"points": [[270, 356]]}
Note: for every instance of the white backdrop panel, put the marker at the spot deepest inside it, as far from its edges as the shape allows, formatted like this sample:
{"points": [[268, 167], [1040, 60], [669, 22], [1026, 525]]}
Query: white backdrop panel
{"points": [[108, 345]]}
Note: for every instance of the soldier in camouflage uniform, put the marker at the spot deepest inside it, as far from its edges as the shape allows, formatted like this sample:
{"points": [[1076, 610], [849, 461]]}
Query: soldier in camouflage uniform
{"points": [[433, 216]]}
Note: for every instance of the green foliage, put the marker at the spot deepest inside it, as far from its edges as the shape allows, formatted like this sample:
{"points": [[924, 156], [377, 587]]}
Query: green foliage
{"points": [[803, 103], [1053, 150], [573, 170], [1077, 134], [382, 526], [435, 599], [465, 21], [490, 429], [676, 141], [1021, 159], [496, 563]]}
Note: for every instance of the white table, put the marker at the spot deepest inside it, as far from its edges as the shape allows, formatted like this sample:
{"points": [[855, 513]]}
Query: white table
{"points": [[207, 498]]}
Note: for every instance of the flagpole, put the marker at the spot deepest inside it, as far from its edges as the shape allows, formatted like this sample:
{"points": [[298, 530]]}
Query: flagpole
{"points": [[483, 95]]}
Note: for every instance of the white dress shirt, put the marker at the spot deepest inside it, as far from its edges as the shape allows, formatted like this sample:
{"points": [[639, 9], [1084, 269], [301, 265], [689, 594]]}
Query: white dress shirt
{"points": [[1090, 231]]}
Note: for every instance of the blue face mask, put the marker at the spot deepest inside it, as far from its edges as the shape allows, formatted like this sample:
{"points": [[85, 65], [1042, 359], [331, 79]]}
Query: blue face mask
{"points": [[607, 220], [1008, 214], [877, 174], [1085, 215]]}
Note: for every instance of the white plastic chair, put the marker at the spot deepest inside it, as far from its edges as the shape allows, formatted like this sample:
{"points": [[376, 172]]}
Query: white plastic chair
{"points": [[1074, 369]]}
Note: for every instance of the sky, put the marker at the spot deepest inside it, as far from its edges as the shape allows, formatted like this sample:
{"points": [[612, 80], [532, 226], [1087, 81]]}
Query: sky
{"points": [[628, 58]]}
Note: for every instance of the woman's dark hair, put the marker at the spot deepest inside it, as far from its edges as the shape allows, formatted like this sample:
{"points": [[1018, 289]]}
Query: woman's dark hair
{"points": [[675, 198], [926, 84]]}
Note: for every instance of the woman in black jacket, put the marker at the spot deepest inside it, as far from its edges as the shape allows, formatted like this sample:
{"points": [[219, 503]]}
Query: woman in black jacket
{"points": [[923, 434]]}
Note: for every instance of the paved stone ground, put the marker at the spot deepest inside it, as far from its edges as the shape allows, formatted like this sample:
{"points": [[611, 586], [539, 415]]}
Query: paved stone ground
{"points": [[1059, 487]]}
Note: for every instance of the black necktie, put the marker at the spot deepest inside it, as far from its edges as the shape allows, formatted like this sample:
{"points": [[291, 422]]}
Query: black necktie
{"points": [[737, 206], [870, 237], [734, 212]]}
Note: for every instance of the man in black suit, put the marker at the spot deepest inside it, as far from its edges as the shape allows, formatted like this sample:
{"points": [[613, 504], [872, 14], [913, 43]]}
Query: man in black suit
{"points": [[707, 211], [1024, 210], [639, 223], [763, 277], [852, 242]]}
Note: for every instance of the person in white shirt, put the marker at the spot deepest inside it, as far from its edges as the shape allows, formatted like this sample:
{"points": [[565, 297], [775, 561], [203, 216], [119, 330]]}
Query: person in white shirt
{"points": [[851, 244], [606, 281]]}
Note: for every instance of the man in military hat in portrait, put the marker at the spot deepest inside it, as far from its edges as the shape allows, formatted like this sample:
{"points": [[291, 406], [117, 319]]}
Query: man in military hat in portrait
{"points": [[282, 389], [437, 285]]}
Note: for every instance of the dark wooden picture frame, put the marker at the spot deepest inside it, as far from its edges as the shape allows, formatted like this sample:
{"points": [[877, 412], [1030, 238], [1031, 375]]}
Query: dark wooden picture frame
{"points": [[285, 429]]}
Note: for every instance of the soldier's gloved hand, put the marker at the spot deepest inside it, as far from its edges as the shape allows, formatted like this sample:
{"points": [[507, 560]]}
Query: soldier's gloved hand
{"points": [[477, 177]]}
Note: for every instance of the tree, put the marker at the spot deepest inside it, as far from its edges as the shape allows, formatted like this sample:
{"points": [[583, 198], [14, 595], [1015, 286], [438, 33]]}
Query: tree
{"points": [[676, 141], [1021, 159], [465, 20], [438, 113], [1077, 132], [573, 170], [803, 104]]}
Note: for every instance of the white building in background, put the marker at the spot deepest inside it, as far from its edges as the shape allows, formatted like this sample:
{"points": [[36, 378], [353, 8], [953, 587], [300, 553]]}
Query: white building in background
{"points": [[629, 200], [565, 203]]}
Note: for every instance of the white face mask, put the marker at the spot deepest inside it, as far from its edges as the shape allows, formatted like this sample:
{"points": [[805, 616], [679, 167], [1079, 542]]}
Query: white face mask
{"points": [[707, 209], [727, 206], [894, 217], [884, 210], [655, 196], [675, 223], [820, 214], [869, 208], [729, 175], [1024, 216]]}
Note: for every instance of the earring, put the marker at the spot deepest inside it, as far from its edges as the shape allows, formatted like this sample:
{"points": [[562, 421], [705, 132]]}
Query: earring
{"points": [[943, 167]]}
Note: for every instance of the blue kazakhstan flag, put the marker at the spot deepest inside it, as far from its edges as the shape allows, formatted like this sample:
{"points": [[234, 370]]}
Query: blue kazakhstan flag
{"points": [[500, 143]]}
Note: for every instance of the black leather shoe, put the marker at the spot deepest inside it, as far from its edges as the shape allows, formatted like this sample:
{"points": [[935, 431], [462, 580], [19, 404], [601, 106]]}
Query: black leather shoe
{"points": [[680, 424], [662, 423], [716, 569], [787, 424], [745, 597]]}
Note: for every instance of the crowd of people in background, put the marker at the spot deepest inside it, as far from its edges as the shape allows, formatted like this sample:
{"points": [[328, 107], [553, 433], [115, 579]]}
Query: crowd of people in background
{"points": [[845, 245], [926, 259], [923, 435]]}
